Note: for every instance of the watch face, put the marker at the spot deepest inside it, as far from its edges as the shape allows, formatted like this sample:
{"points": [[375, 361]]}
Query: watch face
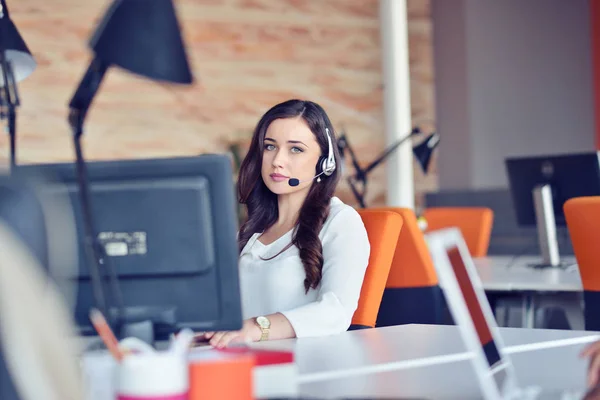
{"points": [[263, 322]]}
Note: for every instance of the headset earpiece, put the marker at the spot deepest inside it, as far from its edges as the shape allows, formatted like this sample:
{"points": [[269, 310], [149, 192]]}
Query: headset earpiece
{"points": [[327, 163]]}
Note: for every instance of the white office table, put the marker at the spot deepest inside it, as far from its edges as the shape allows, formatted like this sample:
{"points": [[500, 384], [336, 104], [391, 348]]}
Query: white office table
{"points": [[370, 351], [553, 369], [425, 360], [507, 273]]}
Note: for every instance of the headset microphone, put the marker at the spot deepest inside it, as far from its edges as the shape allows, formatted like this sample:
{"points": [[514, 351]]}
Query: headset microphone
{"points": [[295, 182]]}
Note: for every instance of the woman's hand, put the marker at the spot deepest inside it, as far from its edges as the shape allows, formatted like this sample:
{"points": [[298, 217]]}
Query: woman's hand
{"points": [[250, 332], [593, 352]]}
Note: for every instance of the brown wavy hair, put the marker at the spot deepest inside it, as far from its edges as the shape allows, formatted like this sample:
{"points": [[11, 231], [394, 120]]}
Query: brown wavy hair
{"points": [[261, 203]]}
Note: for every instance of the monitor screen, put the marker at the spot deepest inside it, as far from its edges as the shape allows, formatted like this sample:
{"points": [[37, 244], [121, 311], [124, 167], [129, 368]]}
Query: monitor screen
{"points": [[569, 175], [484, 333], [168, 227], [468, 291], [471, 311]]}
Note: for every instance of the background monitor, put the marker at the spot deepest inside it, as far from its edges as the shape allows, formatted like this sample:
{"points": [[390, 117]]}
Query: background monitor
{"points": [[168, 227], [569, 175]]}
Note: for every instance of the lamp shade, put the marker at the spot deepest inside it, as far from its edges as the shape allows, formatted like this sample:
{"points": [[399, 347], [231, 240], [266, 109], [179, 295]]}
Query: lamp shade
{"points": [[14, 47], [423, 151], [143, 37]]}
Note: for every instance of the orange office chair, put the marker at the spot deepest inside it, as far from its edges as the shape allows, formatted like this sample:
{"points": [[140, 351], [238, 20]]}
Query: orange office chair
{"points": [[583, 221], [475, 224], [383, 228], [412, 294]]}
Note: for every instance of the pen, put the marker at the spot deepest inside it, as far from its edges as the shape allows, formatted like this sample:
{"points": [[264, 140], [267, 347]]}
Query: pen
{"points": [[106, 334]]}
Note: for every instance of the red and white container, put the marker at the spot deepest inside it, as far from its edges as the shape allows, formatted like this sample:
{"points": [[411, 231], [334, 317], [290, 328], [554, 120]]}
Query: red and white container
{"points": [[152, 376], [275, 374]]}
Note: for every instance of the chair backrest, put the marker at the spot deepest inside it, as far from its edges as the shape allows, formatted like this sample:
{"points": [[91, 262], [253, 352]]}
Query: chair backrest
{"points": [[412, 294], [383, 228], [475, 224], [412, 265], [583, 221]]}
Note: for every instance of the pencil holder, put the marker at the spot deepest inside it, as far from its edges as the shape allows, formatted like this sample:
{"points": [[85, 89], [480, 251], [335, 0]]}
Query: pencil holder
{"points": [[152, 376], [98, 372]]}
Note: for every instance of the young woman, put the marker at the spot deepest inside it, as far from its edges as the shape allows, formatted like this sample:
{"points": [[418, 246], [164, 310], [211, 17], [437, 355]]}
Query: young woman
{"points": [[303, 252]]}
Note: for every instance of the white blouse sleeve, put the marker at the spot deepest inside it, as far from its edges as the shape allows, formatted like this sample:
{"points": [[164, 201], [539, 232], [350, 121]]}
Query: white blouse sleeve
{"points": [[346, 251]]}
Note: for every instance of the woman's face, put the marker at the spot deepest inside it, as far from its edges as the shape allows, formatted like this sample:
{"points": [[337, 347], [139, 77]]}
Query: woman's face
{"points": [[290, 150]]}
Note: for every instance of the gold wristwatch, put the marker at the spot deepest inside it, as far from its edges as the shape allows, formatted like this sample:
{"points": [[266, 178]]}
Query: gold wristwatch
{"points": [[264, 324]]}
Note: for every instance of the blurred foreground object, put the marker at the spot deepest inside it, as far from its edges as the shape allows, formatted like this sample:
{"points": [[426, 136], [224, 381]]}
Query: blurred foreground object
{"points": [[36, 330], [31, 219]]}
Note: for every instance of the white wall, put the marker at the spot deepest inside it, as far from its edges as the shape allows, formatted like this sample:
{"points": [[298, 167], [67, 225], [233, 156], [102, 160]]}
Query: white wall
{"points": [[513, 78]]}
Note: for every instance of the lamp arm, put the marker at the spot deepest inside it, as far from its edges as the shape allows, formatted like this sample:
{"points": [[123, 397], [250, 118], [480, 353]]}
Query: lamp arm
{"points": [[12, 133], [10, 100], [359, 175], [82, 99], [360, 196], [390, 150], [95, 254]]}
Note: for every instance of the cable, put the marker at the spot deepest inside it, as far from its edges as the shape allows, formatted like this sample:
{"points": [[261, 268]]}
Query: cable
{"points": [[520, 254]]}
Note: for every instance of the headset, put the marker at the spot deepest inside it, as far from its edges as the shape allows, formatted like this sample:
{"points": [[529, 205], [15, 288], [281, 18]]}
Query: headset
{"points": [[325, 166]]}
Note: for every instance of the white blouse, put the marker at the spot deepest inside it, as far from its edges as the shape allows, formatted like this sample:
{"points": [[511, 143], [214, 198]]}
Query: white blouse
{"points": [[277, 285]]}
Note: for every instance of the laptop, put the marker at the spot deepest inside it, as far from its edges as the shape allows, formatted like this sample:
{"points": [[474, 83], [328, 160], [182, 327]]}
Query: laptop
{"points": [[473, 315]]}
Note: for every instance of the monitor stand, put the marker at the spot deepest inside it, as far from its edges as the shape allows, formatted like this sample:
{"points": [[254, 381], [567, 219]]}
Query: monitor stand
{"points": [[151, 324], [546, 228], [148, 323]]}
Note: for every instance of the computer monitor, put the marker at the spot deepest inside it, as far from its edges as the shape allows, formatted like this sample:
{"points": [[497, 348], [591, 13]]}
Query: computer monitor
{"points": [[539, 187], [168, 227], [569, 175]]}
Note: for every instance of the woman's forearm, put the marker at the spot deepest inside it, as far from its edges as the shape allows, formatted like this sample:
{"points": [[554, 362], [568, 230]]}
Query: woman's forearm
{"points": [[281, 328]]}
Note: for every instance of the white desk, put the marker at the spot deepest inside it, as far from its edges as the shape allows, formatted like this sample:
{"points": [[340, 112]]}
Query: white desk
{"points": [[457, 380], [369, 351], [426, 360], [505, 273], [510, 274]]}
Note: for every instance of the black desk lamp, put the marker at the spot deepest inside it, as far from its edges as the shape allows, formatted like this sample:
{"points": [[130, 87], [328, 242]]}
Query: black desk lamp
{"points": [[143, 37], [16, 63], [422, 152]]}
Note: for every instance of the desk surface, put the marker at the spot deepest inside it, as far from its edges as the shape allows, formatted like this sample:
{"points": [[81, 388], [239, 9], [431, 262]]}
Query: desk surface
{"points": [[401, 347], [507, 273], [422, 360], [554, 369], [429, 361]]}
